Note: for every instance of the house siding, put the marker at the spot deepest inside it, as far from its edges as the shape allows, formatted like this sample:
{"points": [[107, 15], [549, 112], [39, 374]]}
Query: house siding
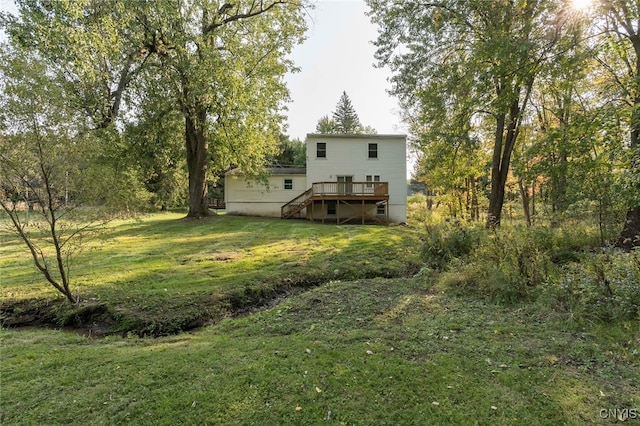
{"points": [[257, 199], [348, 155], [345, 155]]}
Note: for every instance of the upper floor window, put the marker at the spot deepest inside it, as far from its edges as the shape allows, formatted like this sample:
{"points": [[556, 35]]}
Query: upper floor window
{"points": [[373, 150], [321, 150], [288, 184]]}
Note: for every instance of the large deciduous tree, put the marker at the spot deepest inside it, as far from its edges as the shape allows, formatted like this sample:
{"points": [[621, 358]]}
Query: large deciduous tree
{"points": [[622, 30], [220, 63], [326, 125], [224, 65], [458, 63]]}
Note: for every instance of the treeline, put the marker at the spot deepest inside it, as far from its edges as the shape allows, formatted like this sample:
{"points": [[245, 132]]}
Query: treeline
{"points": [[535, 100], [158, 99]]}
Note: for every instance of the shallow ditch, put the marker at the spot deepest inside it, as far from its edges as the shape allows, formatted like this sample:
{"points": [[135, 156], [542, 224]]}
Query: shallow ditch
{"points": [[92, 318]]}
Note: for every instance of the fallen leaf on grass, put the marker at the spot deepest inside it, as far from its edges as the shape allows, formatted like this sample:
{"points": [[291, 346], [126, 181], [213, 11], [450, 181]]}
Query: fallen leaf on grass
{"points": [[298, 408]]}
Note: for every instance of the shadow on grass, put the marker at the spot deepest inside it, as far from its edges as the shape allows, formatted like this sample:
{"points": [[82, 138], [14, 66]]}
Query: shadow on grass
{"points": [[161, 276]]}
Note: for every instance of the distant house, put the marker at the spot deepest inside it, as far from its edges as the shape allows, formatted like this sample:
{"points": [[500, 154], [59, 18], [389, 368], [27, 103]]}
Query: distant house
{"points": [[348, 178]]}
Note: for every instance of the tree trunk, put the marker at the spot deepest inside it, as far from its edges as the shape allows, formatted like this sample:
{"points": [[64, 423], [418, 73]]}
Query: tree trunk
{"points": [[630, 235], [533, 202], [559, 182], [475, 208], [526, 201], [502, 150], [197, 162], [496, 197]]}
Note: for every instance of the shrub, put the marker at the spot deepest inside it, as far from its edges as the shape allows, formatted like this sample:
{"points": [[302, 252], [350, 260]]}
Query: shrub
{"points": [[557, 269], [443, 242], [605, 287]]}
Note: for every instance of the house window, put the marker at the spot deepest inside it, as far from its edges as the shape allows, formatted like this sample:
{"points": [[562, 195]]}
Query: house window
{"points": [[381, 209], [373, 150], [372, 178], [331, 208], [288, 184], [321, 150]]}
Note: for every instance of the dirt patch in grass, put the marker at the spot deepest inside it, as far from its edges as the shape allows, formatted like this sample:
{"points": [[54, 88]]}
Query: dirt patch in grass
{"points": [[88, 318], [227, 255]]}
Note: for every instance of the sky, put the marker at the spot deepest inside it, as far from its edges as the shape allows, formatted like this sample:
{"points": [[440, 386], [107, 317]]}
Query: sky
{"points": [[338, 56]]}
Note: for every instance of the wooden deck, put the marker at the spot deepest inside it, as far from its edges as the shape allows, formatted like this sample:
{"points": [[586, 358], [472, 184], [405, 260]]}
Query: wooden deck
{"points": [[216, 203], [351, 200]]}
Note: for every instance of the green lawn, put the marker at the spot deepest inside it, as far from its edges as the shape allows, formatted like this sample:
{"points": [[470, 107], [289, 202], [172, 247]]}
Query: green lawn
{"points": [[359, 349], [165, 273], [370, 351]]}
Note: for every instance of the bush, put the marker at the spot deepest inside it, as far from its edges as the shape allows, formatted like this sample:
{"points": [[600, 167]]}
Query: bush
{"points": [[443, 242], [559, 269], [605, 287], [554, 267]]}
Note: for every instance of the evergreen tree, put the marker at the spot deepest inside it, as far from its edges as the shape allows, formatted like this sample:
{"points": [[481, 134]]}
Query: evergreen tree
{"points": [[345, 117]]}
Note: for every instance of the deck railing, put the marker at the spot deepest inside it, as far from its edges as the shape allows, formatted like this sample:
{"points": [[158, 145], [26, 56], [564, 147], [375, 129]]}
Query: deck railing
{"points": [[216, 203], [324, 190], [359, 189]]}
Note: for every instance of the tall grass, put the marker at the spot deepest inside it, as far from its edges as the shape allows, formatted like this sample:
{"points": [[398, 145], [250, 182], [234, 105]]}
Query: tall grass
{"points": [[562, 268]]}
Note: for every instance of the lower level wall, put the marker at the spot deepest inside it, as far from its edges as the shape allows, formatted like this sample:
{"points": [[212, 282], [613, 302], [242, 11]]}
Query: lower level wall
{"points": [[255, 208], [397, 212]]}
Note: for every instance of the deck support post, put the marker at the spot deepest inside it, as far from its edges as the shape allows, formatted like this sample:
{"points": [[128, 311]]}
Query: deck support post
{"points": [[386, 209]]}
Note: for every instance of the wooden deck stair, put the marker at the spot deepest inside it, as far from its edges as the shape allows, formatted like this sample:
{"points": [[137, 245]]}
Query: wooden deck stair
{"points": [[296, 205]]}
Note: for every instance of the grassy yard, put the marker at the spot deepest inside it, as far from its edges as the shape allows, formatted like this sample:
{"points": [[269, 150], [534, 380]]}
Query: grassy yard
{"points": [[163, 274], [369, 351], [376, 343]]}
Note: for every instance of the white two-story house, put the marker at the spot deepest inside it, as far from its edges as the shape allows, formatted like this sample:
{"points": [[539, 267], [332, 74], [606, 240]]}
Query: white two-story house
{"points": [[348, 178]]}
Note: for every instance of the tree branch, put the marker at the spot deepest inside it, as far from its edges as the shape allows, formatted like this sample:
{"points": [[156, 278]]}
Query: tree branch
{"points": [[239, 16]]}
